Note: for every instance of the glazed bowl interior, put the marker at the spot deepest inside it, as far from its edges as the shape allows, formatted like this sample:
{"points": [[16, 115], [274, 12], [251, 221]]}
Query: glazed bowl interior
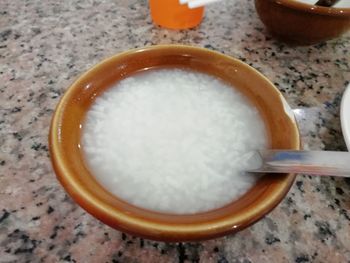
{"points": [[72, 171], [304, 6]]}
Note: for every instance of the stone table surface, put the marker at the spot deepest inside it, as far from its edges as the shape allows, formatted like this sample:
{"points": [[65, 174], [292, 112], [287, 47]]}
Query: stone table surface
{"points": [[45, 45]]}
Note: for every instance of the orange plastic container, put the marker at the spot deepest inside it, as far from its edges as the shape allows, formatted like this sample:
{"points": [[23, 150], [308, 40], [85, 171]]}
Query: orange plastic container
{"points": [[171, 14]]}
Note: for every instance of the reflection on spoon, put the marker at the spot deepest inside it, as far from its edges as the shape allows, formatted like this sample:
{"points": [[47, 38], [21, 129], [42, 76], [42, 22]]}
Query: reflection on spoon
{"points": [[309, 162]]}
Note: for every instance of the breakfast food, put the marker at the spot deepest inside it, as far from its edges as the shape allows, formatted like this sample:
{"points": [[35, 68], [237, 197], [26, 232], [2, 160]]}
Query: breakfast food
{"points": [[173, 141]]}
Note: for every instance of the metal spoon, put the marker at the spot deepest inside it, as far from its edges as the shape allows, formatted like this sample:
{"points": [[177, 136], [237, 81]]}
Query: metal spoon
{"points": [[309, 162], [326, 3]]}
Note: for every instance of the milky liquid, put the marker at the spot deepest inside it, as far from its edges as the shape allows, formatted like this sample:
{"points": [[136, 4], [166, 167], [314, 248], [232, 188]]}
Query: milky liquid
{"points": [[173, 141]]}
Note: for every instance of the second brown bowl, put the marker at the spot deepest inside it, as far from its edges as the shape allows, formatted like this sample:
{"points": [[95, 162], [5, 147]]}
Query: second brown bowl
{"points": [[299, 23]]}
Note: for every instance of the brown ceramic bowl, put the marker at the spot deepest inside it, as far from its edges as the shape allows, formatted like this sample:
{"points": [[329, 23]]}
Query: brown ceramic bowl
{"points": [[72, 172], [300, 23]]}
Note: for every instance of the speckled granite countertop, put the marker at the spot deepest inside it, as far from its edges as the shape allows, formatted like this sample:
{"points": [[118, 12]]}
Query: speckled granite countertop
{"points": [[45, 45]]}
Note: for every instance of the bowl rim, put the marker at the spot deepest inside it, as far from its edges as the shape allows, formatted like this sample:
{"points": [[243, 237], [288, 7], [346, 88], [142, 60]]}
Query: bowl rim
{"points": [[133, 224], [344, 120], [320, 10]]}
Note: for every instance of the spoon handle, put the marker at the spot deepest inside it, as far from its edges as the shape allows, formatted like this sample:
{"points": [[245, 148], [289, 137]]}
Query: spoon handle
{"points": [[308, 162], [326, 3]]}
